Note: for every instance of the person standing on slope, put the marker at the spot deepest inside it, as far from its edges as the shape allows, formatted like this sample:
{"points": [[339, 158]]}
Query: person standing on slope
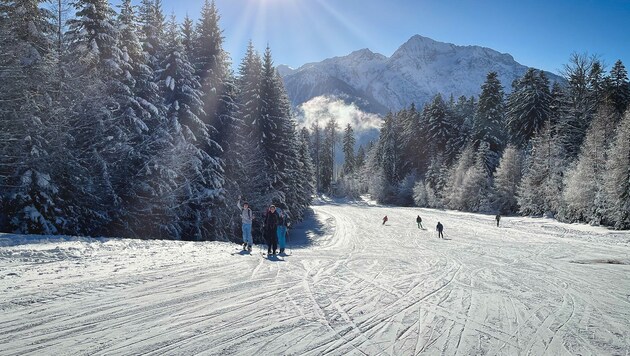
{"points": [[439, 229], [419, 221], [270, 230], [384, 219], [498, 218], [246, 218], [282, 229]]}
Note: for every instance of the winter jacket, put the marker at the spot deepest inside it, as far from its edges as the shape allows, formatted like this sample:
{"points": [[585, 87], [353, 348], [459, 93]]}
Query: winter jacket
{"points": [[440, 227], [271, 223], [246, 214], [419, 219]]}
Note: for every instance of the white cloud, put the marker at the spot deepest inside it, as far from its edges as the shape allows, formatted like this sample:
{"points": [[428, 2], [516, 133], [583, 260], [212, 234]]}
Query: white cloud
{"points": [[322, 108]]}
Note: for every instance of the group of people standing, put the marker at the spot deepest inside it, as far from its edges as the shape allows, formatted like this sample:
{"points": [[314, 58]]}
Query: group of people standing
{"points": [[275, 223]]}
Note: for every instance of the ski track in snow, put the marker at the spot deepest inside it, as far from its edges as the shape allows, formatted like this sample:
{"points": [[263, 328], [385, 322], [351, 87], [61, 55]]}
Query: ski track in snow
{"points": [[352, 287]]}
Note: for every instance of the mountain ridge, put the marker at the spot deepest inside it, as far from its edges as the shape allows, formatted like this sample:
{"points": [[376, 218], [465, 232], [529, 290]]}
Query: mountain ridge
{"points": [[418, 70]]}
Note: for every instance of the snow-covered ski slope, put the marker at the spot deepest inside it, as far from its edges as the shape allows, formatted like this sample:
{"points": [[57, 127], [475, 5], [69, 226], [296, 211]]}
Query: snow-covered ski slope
{"points": [[350, 287]]}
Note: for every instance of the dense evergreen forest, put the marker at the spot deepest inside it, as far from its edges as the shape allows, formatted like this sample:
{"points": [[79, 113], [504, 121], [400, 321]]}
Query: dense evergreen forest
{"points": [[128, 123], [560, 150]]}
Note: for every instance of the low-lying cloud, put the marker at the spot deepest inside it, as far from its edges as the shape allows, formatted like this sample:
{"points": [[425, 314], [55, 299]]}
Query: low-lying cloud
{"points": [[322, 108]]}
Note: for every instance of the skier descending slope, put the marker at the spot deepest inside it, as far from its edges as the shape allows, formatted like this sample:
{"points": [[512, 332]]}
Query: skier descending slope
{"points": [[246, 218], [419, 221], [439, 229], [270, 230], [498, 218], [384, 219]]}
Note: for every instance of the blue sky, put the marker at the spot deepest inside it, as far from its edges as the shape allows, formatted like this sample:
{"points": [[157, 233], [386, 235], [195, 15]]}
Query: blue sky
{"points": [[537, 33]]}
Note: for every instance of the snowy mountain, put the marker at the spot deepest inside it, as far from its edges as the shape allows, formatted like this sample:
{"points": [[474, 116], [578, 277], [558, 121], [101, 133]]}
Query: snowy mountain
{"points": [[417, 71]]}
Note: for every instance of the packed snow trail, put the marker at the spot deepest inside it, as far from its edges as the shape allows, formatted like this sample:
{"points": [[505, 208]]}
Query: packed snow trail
{"points": [[350, 287]]}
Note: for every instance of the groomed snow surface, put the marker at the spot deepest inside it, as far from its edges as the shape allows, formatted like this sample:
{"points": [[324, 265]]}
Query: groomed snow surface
{"points": [[350, 286]]}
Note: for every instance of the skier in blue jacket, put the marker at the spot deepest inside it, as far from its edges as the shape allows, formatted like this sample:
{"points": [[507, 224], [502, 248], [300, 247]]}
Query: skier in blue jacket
{"points": [[282, 229]]}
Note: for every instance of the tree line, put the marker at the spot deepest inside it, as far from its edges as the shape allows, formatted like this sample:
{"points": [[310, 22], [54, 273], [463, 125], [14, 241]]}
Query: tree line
{"points": [[127, 123], [557, 149]]}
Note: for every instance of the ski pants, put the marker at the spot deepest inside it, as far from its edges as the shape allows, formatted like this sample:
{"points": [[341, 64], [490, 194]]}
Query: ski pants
{"points": [[272, 240], [419, 225], [440, 234], [282, 237], [247, 234]]}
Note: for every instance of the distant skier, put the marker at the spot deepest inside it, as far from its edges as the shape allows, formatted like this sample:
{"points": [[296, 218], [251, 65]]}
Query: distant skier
{"points": [[439, 229], [246, 218], [270, 230], [419, 221], [384, 219], [498, 218], [283, 223]]}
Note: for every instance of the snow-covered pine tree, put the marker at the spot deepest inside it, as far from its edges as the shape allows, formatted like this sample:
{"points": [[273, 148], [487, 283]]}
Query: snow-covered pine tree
{"points": [[348, 150], [476, 185], [307, 168], [528, 106], [488, 125], [100, 127], [254, 184], [389, 151], [618, 88], [540, 191], [201, 178], [582, 103], [316, 151], [359, 160], [218, 87], [294, 184], [149, 187], [617, 177], [152, 23], [30, 200], [585, 192], [439, 125], [327, 156], [436, 179], [188, 36], [463, 117], [506, 181], [454, 195], [413, 145]]}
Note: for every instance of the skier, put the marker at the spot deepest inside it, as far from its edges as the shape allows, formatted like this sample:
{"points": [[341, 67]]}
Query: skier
{"points": [[419, 221], [384, 219], [439, 229], [282, 229], [246, 218], [270, 229], [498, 218]]}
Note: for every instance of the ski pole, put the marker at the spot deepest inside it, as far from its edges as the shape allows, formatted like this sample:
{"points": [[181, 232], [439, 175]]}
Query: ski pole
{"points": [[289, 242]]}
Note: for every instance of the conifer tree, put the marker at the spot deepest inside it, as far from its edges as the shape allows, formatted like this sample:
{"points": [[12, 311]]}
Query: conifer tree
{"points": [[617, 177], [528, 107], [202, 180], [439, 124], [541, 187], [506, 181], [316, 151], [584, 194], [218, 87], [488, 125], [30, 200], [618, 88], [327, 160], [582, 102], [348, 150]]}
